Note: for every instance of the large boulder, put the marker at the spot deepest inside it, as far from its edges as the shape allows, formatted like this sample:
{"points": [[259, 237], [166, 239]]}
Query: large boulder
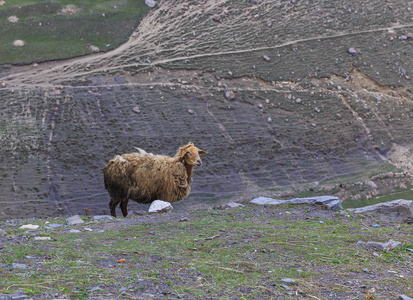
{"points": [[400, 211], [330, 202]]}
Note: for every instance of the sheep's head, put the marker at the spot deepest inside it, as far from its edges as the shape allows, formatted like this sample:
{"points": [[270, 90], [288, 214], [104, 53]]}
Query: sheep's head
{"points": [[189, 155]]}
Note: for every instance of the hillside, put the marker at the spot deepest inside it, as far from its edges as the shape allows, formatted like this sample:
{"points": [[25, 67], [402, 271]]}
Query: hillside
{"points": [[287, 97]]}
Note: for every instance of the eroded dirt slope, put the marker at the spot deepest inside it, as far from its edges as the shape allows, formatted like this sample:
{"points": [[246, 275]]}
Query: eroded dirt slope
{"points": [[305, 112]]}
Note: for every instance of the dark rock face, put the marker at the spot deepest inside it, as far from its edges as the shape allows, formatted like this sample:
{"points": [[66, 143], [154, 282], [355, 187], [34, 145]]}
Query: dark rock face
{"points": [[312, 112]]}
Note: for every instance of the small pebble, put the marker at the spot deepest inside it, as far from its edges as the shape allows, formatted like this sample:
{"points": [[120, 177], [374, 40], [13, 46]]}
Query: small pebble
{"points": [[230, 95], [29, 226], [190, 111], [288, 280], [352, 51], [266, 58], [42, 238], [216, 18]]}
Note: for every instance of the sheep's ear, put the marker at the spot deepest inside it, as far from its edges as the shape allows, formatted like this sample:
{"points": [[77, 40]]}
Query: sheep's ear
{"points": [[202, 151], [182, 152]]}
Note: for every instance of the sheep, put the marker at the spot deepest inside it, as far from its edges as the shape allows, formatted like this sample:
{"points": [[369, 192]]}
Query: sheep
{"points": [[145, 177]]}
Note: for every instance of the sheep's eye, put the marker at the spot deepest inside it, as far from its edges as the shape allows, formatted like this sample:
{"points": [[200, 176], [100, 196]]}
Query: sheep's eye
{"points": [[189, 153]]}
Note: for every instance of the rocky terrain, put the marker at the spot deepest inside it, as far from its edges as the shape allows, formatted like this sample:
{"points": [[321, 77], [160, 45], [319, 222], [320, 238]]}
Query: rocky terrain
{"points": [[286, 97], [229, 252]]}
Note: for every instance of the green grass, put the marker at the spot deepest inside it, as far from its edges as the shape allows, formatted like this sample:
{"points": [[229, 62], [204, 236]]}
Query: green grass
{"points": [[48, 34], [214, 255]]}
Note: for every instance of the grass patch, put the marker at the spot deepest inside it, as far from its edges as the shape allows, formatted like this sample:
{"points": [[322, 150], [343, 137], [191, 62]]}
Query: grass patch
{"points": [[242, 253], [63, 29]]}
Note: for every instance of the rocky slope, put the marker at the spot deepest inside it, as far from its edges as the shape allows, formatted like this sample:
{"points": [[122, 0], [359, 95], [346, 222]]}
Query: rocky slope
{"points": [[285, 96]]}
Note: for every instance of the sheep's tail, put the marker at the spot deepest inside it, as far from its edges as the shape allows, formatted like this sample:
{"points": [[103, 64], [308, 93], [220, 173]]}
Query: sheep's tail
{"points": [[141, 151]]}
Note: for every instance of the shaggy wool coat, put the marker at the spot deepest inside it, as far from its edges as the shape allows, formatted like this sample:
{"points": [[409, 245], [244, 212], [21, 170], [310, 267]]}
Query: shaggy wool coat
{"points": [[145, 178]]}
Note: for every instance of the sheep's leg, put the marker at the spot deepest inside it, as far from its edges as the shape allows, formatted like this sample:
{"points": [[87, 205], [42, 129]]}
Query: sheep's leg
{"points": [[112, 205], [124, 207]]}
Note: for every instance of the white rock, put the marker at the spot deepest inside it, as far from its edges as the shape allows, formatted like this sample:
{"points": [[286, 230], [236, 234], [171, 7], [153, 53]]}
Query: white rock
{"points": [[93, 48], [159, 206], [288, 280], [12, 19], [18, 43], [330, 202], [102, 218], [74, 220], [42, 238], [19, 266], [234, 205], [29, 226], [150, 3]]}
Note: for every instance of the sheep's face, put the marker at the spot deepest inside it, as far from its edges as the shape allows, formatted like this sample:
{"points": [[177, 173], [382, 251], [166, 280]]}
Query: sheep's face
{"points": [[190, 155]]}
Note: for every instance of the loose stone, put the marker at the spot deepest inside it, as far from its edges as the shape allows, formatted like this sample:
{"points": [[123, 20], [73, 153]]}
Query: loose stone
{"points": [[102, 218], [216, 18], [159, 206], [352, 51], [19, 266], [74, 220], [230, 95], [42, 238], [288, 280], [150, 3], [29, 226]]}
